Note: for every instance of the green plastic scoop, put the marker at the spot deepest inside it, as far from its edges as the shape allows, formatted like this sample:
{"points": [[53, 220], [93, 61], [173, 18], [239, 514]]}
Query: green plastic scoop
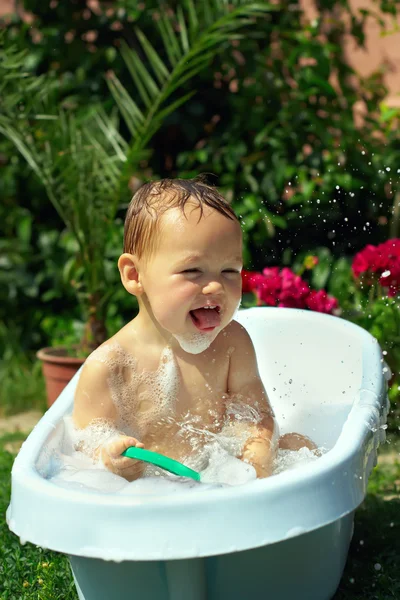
{"points": [[159, 460]]}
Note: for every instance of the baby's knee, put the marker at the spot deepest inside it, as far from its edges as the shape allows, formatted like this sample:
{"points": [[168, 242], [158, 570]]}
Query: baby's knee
{"points": [[295, 441]]}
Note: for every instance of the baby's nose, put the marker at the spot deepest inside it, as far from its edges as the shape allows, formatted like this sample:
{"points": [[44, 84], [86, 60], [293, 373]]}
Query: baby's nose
{"points": [[212, 287]]}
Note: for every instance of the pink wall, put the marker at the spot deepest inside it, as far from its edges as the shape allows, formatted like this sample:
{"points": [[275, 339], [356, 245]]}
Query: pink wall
{"points": [[379, 50]]}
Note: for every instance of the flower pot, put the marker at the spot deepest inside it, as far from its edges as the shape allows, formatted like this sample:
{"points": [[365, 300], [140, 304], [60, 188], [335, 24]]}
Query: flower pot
{"points": [[58, 370]]}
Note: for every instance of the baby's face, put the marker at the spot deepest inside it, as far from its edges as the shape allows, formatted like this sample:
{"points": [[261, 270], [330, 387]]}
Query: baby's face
{"points": [[197, 263]]}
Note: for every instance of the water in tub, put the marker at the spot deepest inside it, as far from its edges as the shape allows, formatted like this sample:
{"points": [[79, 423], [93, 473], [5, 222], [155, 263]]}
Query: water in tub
{"points": [[213, 452], [216, 460]]}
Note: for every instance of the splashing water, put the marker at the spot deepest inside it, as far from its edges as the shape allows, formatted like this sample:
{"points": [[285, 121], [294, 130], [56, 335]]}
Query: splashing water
{"points": [[214, 455]]}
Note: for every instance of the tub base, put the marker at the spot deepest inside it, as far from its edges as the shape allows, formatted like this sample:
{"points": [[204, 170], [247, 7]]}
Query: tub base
{"points": [[306, 567]]}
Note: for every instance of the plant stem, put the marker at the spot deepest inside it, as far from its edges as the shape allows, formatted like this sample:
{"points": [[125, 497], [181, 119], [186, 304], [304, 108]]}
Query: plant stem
{"points": [[395, 221], [371, 294], [95, 332]]}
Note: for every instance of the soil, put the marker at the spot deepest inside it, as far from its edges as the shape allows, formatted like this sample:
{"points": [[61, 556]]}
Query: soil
{"points": [[22, 423]]}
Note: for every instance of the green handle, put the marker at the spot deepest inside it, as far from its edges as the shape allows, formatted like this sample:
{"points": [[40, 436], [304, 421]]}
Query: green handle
{"points": [[164, 462]]}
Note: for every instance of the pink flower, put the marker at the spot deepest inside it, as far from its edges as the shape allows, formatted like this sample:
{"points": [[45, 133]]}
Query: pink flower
{"points": [[283, 288], [381, 263], [248, 280], [294, 290], [365, 260], [321, 302], [391, 278], [268, 286]]}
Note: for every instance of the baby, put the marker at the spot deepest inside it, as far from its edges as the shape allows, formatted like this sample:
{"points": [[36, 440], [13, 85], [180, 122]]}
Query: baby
{"points": [[183, 369]]}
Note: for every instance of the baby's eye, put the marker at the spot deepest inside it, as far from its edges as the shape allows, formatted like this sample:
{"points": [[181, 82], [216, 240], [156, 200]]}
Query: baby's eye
{"points": [[198, 271]]}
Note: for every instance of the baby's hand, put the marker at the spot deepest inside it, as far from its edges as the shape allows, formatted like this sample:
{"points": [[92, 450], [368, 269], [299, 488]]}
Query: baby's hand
{"points": [[111, 457]]}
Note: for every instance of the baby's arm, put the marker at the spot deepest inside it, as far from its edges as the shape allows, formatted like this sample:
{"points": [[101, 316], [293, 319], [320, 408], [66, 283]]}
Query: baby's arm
{"points": [[245, 385], [93, 404]]}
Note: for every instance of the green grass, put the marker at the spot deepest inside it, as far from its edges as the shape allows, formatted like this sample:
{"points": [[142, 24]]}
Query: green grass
{"points": [[27, 572], [22, 385], [31, 573]]}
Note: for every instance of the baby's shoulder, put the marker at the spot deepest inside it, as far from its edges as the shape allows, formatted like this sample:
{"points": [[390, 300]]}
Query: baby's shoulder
{"points": [[236, 333], [108, 360], [112, 354], [234, 339]]}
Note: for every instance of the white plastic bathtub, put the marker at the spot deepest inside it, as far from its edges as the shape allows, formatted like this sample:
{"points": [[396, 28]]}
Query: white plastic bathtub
{"points": [[279, 538]]}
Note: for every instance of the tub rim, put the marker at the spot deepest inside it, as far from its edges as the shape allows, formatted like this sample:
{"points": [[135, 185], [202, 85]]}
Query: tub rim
{"points": [[346, 453]]}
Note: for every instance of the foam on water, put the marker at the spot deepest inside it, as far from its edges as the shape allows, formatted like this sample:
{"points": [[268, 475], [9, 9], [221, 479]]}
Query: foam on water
{"points": [[145, 405], [291, 459], [73, 469]]}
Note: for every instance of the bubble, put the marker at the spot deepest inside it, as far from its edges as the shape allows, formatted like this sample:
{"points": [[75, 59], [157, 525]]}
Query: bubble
{"points": [[195, 343], [131, 389], [291, 459]]}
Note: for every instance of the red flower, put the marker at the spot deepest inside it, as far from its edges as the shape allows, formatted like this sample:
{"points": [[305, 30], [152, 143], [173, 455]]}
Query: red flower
{"points": [[294, 290], [321, 302], [282, 287], [268, 286], [382, 262], [248, 280], [365, 260]]}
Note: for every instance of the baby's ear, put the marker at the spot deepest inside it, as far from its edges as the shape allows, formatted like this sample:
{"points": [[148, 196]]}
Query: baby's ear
{"points": [[129, 274]]}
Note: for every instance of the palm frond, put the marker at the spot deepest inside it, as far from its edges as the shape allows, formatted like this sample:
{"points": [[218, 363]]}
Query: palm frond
{"points": [[190, 41]]}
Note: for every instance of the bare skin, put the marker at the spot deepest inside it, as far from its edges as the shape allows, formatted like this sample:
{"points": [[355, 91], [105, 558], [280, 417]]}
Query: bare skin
{"points": [[196, 263]]}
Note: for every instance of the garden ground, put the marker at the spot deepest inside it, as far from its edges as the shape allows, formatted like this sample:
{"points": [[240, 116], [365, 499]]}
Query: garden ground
{"points": [[371, 573]]}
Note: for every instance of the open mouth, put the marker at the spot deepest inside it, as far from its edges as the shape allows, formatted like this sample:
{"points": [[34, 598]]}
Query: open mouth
{"points": [[206, 318]]}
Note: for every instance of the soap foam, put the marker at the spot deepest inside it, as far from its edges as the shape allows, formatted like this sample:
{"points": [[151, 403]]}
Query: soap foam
{"points": [[195, 343], [87, 440], [292, 459], [78, 471], [146, 395], [216, 461], [148, 398]]}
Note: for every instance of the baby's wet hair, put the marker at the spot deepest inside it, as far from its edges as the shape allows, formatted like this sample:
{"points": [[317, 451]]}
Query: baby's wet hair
{"points": [[154, 198]]}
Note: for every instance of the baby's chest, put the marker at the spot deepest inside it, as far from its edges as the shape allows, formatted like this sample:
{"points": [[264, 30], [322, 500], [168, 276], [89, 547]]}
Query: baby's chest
{"points": [[178, 389], [201, 388]]}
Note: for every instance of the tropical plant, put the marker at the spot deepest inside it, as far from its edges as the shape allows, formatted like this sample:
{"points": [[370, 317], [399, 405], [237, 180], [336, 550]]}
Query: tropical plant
{"points": [[82, 159]]}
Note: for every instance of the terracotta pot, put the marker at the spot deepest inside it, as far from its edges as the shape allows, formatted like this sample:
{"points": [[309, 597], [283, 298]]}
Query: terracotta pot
{"points": [[58, 370]]}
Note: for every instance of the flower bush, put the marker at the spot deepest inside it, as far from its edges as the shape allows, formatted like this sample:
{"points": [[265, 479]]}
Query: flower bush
{"points": [[379, 265], [376, 275], [364, 290], [284, 288]]}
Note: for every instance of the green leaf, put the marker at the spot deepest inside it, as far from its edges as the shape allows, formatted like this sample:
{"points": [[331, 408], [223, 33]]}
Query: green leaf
{"points": [[132, 114], [192, 17], [24, 228], [183, 30], [169, 38], [322, 271], [159, 68]]}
